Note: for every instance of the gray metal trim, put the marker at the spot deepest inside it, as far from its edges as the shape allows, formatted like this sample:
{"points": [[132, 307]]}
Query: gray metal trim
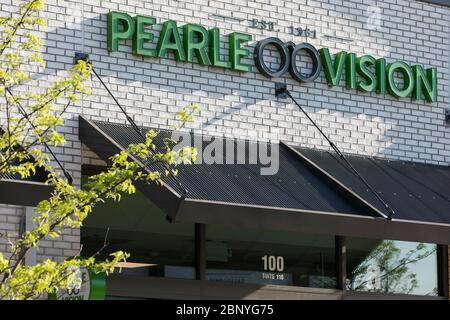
{"points": [[23, 192], [252, 216]]}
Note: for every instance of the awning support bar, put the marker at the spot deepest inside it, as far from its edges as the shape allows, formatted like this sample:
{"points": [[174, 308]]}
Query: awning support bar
{"points": [[85, 57], [281, 91], [25, 114]]}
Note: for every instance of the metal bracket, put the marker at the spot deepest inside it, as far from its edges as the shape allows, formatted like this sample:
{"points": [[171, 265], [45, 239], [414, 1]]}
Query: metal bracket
{"points": [[80, 56], [280, 90], [447, 116]]}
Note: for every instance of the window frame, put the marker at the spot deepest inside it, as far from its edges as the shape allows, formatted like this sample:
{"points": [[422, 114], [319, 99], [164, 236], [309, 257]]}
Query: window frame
{"points": [[341, 268], [442, 273]]}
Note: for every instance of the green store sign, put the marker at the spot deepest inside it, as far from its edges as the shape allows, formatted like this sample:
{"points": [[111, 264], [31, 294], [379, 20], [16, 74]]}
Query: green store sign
{"points": [[365, 73]]}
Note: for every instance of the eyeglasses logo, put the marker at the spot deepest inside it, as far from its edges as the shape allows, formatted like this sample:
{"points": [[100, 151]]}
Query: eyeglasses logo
{"points": [[288, 59]]}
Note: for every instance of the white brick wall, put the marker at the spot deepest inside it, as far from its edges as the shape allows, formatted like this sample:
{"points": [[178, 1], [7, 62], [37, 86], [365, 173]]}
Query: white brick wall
{"points": [[12, 224], [10, 220], [243, 105]]}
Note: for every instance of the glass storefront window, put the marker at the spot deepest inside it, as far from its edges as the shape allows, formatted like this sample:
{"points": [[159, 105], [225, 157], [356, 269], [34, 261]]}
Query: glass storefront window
{"points": [[269, 257], [252, 255], [136, 225], [389, 266]]}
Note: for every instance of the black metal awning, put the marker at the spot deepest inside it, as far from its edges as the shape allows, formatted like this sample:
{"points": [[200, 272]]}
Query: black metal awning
{"points": [[14, 190], [311, 192], [415, 191], [24, 192]]}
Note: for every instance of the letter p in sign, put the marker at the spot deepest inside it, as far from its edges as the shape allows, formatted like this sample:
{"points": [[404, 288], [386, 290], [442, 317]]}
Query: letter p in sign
{"points": [[115, 20]]}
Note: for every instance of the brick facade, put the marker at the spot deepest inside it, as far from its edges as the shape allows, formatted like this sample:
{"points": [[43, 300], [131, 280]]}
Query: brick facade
{"points": [[10, 222], [243, 105]]}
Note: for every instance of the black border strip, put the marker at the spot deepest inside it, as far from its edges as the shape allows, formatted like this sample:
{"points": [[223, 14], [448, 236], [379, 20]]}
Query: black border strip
{"points": [[297, 220], [23, 193]]}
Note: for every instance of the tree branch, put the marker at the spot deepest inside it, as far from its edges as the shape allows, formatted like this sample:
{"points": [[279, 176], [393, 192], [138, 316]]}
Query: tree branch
{"points": [[18, 24]]}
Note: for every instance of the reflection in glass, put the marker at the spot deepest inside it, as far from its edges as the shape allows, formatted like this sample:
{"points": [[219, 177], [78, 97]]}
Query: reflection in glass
{"points": [[389, 266], [270, 257]]}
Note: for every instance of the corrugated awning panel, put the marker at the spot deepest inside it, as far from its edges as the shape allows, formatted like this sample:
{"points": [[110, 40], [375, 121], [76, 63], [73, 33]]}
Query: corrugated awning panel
{"points": [[415, 191], [293, 186]]}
